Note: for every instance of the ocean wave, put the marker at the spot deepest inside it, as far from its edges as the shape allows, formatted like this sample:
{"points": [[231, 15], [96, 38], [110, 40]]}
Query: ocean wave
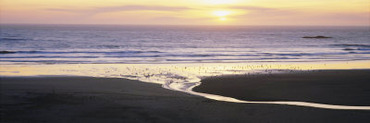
{"points": [[84, 52], [231, 59], [11, 39], [109, 46], [160, 57], [303, 54], [49, 56], [363, 49], [6, 52], [130, 56], [46, 61], [351, 45]]}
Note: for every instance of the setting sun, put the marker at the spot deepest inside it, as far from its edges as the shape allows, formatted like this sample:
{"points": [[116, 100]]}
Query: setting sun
{"points": [[221, 14]]}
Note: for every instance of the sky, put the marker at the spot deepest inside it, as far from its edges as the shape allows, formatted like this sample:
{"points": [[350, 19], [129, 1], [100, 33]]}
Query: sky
{"points": [[186, 12]]}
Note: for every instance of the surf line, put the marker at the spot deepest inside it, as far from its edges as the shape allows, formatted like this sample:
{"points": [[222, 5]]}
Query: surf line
{"points": [[187, 87]]}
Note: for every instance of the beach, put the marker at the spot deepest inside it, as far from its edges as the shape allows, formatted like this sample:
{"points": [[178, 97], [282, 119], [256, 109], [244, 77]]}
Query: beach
{"points": [[340, 87], [188, 74], [92, 99]]}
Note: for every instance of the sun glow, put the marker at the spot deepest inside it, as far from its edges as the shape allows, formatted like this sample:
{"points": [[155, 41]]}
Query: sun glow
{"points": [[223, 19], [222, 13], [187, 12], [220, 1]]}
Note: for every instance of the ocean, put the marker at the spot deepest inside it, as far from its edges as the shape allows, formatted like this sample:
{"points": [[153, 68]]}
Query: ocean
{"points": [[85, 44]]}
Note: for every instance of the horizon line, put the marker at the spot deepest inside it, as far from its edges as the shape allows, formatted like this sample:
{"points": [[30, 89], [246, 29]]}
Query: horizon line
{"points": [[102, 24]]}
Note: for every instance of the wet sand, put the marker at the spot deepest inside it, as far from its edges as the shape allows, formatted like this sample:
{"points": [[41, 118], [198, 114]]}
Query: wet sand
{"points": [[97, 100], [339, 87]]}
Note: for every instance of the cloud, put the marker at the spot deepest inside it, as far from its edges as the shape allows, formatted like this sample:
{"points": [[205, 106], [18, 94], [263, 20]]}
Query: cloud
{"points": [[261, 12], [122, 8], [252, 8], [62, 10], [179, 20], [293, 16], [140, 8]]}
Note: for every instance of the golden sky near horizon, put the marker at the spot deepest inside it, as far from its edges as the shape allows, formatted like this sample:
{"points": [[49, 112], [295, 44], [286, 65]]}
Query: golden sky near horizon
{"points": [[187, 12]]}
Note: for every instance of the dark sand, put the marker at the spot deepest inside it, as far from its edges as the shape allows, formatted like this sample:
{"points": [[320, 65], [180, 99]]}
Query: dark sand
{"points": [[343, 87], [105, 100]]}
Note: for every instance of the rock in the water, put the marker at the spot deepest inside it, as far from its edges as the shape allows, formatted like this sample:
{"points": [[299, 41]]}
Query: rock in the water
{"points": [[316, 37]]}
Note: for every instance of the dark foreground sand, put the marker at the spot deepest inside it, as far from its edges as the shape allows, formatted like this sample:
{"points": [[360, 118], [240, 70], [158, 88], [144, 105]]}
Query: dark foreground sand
{"points": [[341, 87], [105, 100]]}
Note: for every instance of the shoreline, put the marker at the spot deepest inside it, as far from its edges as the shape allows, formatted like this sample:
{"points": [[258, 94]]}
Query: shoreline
{"points": [[184, 77], [91, 99]]}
